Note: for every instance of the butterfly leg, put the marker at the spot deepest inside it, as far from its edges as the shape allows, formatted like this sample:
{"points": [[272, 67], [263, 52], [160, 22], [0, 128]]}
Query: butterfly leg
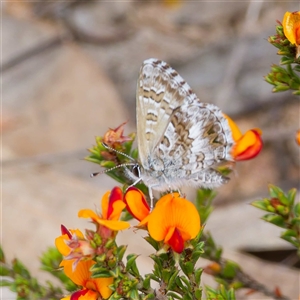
{"points": [[151, 198]]}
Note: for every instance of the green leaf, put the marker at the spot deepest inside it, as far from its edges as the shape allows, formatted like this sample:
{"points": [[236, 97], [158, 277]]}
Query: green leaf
{"points": [[275, 219], [4, 270], [229, 270], [297, 68], [218, 253], [147, 282], [107, 164], [203, 203], [173, 296], [115, 296], [291, 240], [187, 268], [289, 232], [187, 296], [179, 283], [20, 269], [198, 294], [274, 191], [133, 294], [295, 222], [297, 209], [121, 251], [152, 242], [131, 264], [198, 272], [2, 256], [291, 196], [186, 281], [172, 279], [283, 198], [102, 274], [261, 204], [4, 282], [196, 255], [280, 88], [286, 60], [231, 294], [282, 210], [134, 154], [269, 79], [297, 93]]}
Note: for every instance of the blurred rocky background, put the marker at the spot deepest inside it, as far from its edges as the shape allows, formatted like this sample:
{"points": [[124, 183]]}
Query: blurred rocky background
{"points": [[69, 72]]}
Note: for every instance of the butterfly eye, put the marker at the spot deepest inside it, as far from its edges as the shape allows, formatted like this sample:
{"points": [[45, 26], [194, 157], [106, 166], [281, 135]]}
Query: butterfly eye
{"points": [[136, 170]]}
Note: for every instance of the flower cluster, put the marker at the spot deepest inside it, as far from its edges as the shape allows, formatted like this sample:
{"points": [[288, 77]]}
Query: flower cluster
{"points": [[94, 261], [79, 251], [286, 40]]}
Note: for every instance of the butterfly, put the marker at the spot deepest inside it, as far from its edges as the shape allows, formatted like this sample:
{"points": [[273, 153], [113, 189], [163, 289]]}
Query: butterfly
{"points": [[181, 141]]}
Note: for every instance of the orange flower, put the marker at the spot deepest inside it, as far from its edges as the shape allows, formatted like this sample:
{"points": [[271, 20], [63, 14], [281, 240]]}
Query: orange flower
{"points": [[112, 207], [136, 203], [73, 246], [247, 145], [291, 28], [92, 288], [298, 137], [174, 220]]}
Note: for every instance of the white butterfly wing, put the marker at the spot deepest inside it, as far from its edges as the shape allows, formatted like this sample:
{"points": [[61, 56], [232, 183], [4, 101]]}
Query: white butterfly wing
{"points": [[160, 90]]}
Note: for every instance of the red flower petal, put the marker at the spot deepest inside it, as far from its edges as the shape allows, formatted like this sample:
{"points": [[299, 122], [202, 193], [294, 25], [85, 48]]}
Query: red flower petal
{"points": [[64, 230], [78, 294], [115, 195], [248, 146], [176, 241]]}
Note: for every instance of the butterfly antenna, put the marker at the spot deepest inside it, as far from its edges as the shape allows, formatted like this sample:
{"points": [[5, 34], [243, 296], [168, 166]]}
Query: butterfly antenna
{"points": [[119, 152], [111, 169], [116, 167]]}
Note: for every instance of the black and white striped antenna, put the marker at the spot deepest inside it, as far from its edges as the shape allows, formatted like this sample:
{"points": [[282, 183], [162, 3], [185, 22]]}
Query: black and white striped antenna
{"points": [[134, 163]]}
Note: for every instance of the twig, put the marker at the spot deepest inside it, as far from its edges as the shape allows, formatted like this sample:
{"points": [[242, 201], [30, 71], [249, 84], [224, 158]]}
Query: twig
{"points": [[35, 50], [251, 283]]}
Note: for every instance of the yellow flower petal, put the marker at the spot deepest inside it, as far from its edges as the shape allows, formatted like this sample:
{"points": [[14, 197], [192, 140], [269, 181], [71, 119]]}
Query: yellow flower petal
{"points": [[60, 242], [114, 225], [111, 224], [102, 286], [136, 204], [82, 277], [236, 133], [249, 145], [88, 213], [90, 295], [118, 207], [291, 27], [61, 245], [81, 273], [247, 140], [104, 204]]}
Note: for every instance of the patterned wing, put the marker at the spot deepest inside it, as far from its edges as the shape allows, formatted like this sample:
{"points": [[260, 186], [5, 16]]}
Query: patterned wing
{"points": [[197, 138], [160, 90]]}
